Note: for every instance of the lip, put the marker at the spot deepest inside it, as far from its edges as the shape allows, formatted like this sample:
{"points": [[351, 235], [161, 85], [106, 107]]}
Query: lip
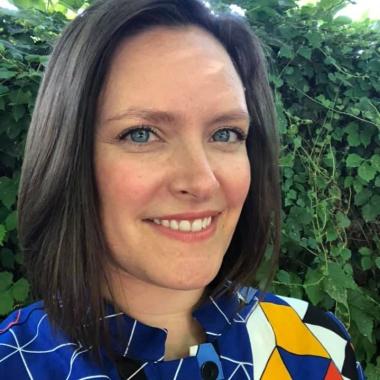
{"points": [[187, 237]]}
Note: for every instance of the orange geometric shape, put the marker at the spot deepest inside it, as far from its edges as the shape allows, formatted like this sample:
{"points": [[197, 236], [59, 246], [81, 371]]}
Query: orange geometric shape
{"points": [[290, 331], [275, 368]]}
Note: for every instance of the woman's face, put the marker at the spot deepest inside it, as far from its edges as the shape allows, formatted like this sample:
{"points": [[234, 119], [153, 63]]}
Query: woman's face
{"points": [[170, 149]]}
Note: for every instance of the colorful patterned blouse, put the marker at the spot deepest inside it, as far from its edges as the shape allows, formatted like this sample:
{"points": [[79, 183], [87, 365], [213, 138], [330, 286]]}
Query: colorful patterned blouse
{"points": [[268, 338]]}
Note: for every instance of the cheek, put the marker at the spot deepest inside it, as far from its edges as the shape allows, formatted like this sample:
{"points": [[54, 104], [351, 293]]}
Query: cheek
{"points": [[237, 179], [124, 182]]}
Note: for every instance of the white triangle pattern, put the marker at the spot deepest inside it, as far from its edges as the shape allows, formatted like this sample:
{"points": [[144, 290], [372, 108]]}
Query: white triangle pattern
{"points": [[262, 340], [333, 343]]}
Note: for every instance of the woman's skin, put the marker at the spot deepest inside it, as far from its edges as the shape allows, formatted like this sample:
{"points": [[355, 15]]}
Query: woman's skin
{"points": [[182, 84]]}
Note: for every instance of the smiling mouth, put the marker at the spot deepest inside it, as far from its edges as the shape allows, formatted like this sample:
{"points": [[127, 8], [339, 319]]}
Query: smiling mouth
{"points": [[195, 225]]}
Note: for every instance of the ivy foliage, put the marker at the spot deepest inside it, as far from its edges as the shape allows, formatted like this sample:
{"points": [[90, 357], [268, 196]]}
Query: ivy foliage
{"points": [[25, 42], [325, 73]]}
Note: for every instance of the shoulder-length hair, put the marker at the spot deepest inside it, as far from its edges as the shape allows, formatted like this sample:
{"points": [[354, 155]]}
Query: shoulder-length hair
{"points": [[59, 226]]}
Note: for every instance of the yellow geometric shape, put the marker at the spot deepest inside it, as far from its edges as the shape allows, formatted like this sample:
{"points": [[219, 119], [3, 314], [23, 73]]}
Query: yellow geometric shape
{"points": [[290, 331], [275, 369]]}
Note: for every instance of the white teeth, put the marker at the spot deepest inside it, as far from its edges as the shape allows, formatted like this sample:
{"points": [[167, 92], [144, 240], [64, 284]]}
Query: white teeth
{"points": [[174, 225], [165, 223], [185, 225], [196, 225]]}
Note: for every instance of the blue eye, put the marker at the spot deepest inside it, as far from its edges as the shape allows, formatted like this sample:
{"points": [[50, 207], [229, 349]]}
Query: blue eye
{"points": [[222, 135], [140, 135], [229, 135]]}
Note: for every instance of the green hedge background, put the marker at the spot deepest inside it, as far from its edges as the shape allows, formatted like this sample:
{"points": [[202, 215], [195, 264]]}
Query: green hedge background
{"points": [[325, 74]]}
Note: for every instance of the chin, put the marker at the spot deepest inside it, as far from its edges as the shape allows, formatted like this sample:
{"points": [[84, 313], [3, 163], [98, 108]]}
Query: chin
{"points": [[191, 281]]}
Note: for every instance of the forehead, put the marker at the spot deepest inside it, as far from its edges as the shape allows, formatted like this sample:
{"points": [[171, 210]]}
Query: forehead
{"points": [[181, 68]]}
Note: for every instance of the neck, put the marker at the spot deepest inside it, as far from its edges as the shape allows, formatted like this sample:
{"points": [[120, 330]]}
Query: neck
{"points": [[155, 306]]}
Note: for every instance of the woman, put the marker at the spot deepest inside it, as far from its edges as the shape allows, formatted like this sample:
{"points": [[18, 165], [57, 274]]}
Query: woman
{"points": [[149, 186]]}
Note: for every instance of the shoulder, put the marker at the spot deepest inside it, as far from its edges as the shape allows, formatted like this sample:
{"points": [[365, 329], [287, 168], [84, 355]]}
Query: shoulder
{"points": [[300, 337], [21, 323], [29, 346]]}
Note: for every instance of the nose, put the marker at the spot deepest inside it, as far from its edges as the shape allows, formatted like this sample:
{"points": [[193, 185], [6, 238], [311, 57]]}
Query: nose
{"points": [[193, 175]]}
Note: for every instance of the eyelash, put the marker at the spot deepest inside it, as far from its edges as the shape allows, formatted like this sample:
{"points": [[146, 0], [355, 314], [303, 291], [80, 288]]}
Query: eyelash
{"points": [[123, 135], [241, 135]]}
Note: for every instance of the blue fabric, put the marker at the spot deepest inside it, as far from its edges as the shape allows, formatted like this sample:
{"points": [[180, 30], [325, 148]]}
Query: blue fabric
{"points": [[30, 349], [304, 367]]}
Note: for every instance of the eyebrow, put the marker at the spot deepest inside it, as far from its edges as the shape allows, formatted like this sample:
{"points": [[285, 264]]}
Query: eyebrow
{"points": [[157, 116]]}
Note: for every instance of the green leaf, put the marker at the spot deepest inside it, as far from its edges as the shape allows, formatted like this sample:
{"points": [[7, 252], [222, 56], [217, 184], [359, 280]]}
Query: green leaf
{"points": [[348, 181], [365, 251], [375, 162], [332, 77], [3, 233], [337, 274], [312, 286], [363, 321], [301, 215], [18, 112], [6, 302], [358, 184], [353, 160], [286, 52], [19, 258], [20, 290], [369, 213], [324, 101], [345, 254], [287, 160], [353, 137], [25, 4], [289, 70], [305, 52], [330, 61], [342, 20], [373, 372], [6, 74], [7, 259], [375, 204], [8, 191], [277, 81], [6, 279], [365, 136], [362, 197], [283, 276], [314, 38], [366, 172], [297, 141], [20, 97], [11, 221], [366, 263], [3, 89], [335, 290], [342, 220], [331, 234], [377, 262]]}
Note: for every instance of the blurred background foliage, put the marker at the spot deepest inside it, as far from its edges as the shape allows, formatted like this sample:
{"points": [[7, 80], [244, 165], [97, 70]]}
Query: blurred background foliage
{"points": [[325, 74]]}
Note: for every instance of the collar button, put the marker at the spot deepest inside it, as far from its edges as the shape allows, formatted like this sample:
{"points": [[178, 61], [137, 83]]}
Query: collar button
{"points": [[209, 371]]}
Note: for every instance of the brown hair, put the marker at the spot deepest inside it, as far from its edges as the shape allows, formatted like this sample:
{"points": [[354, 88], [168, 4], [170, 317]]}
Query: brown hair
{"points": [[59, 226]]}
